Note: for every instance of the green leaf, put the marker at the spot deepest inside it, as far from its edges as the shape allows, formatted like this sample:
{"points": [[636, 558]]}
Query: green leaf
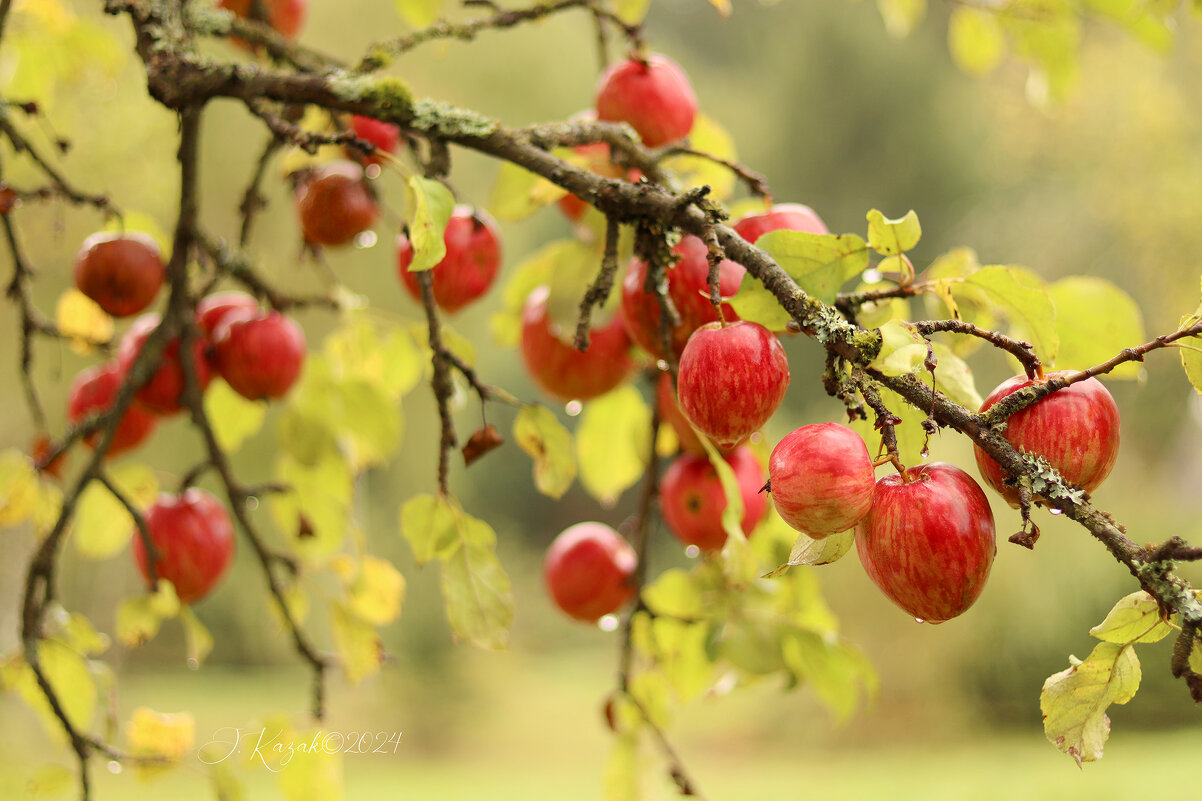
{"points": [[901, 16], [631, 12], [428, 523], [549, 444], [903, 349], [418, 13], [1095, 320], [1074, 701], [518, 193], [653, 692], [360, 650], [819, 263], [839, 674], [613, 442], [1028, 307], [235, 419], [102, 525], [68, 674], [429, 206], [621, 781], [1135, 618], [477, 592], [139, 618], [708, 136], [680, 652], [197, 636], [954, 379], [893, 237], [1191, 351], [674, 593], [385, 357], [809, 551], [314, 513], [975, 39], [50, 781], [18, 487]]}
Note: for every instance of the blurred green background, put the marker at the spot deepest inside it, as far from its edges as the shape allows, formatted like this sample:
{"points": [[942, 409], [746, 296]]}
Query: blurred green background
{"points": [[838, 115]]}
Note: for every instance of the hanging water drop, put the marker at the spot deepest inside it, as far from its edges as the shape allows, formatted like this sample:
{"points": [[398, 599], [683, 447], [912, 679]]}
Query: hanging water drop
{"points": [[1056, 511], [919, 620]]}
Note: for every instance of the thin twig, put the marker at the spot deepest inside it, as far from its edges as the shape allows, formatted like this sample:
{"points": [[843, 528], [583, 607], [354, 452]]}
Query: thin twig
{"points": [[598, 291], [440, 382], [757, 184], [1023, 351]]}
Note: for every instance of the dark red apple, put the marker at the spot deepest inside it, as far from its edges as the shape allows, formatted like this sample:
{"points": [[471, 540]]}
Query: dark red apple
{"points": [[731, 379], [335, 204], [653, 95], [94, 390], [692, 501], [467, 271], [559, 368], [385, 136], [259, 353], [213, 308], [787, 216], [822, 479], [929, 543], [163, 393], [1076, 429], [286, 16], [121, 272], [688, 287], [194, 538], [588, 569]]}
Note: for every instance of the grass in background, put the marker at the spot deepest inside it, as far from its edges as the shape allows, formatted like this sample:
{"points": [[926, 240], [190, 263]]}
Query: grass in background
{"points": [[529, 728]]}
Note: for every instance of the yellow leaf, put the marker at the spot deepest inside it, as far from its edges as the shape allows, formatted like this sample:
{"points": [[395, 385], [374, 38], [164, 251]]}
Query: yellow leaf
{"points": [[377, 592], [82, 321], [18, 487], [160, 734]]}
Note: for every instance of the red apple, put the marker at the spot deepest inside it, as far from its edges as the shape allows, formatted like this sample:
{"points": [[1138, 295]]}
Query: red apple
{"points": [[822, 479], [94, 390], [692, 501], [286, 16], [163, 393], [688, 287], [384, 135], [731, 379], [559, 368], [787, 216], [212, 309], [467, 271], [588, 569], [653, 95], [121, 272], [929, 543], [194, 538], [335, 204], [1076, 429], [259, 353]]}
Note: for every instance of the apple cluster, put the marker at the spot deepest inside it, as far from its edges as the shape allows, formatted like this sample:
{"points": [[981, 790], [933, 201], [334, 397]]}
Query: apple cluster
{"points": [[258, 352]]}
